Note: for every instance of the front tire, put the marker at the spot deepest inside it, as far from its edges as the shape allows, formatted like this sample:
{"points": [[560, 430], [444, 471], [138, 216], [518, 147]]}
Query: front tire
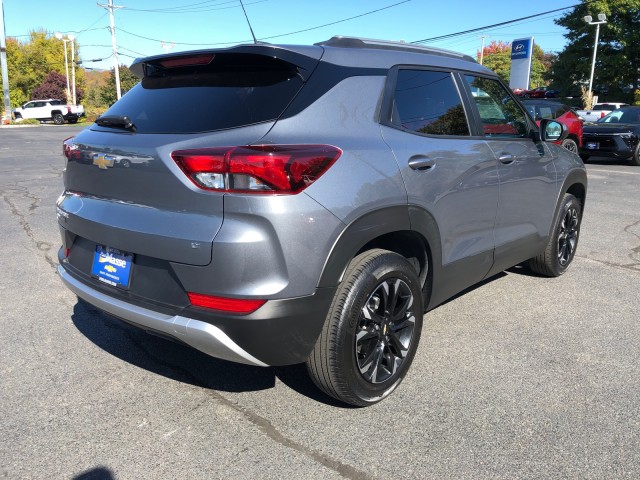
{"points": [[58, 119], [371, 332], [563, 242]]}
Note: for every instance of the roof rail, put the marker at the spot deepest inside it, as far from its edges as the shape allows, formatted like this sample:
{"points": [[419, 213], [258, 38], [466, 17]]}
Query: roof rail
{"points": [[356, 42]]}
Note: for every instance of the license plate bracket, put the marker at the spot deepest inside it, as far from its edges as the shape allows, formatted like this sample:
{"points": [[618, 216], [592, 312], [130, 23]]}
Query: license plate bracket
{"points": [[112, 266]]}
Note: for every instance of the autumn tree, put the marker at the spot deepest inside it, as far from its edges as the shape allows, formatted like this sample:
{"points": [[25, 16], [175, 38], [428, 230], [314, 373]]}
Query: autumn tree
{"points": [[497, 57]]}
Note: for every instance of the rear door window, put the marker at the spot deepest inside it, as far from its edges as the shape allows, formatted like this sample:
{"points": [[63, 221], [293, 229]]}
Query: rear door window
{"points": [[428, 102], [231, 91]]}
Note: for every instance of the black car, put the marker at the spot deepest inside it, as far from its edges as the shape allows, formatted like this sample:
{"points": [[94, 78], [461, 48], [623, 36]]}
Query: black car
{"points": [[616, 135]]}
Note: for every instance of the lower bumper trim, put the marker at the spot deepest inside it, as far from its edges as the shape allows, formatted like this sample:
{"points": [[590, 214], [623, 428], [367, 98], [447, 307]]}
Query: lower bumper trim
{"points": [[200, 335]]}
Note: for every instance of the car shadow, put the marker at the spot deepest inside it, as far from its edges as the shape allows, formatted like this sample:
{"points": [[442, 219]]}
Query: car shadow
{"points": [[173, 360]]}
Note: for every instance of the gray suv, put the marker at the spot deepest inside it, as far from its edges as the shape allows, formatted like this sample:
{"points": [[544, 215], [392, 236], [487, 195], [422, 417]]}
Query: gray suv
{"points": [[288, 204]]}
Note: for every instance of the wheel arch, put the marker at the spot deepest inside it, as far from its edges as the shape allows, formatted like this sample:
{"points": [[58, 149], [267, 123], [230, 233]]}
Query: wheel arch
{"points": [[406, 230]]}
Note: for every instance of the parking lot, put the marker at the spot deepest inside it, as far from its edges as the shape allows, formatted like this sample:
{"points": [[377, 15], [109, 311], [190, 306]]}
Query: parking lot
{"points": [[519, 377]]}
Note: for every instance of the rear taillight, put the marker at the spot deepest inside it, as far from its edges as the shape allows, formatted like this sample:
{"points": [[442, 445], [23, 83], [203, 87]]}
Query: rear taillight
{"points": [[257, 169], [231, 305], [70, 149]]}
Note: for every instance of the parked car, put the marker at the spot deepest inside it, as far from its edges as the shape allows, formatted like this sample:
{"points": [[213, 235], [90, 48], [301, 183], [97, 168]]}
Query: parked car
{"points": [[540, 109], [615, 135], [599, 111], [339, 192], [540, 92], [50, 109]]}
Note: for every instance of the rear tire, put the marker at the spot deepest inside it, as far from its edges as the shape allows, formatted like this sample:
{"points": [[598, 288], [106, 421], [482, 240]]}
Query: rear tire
{"points": [[563, 242], [58, 119], [371, 332], [570, 144], [635, 159]]}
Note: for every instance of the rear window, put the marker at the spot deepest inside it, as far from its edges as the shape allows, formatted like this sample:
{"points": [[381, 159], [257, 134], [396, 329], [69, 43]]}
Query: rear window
{"points": [[231, 91]]}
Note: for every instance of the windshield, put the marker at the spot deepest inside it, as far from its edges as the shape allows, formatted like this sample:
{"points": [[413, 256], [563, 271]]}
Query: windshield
{"points": [[622, 115]]}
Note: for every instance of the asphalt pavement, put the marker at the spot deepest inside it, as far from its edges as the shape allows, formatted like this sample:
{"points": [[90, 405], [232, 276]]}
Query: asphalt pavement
{"points": [[519, 377]]}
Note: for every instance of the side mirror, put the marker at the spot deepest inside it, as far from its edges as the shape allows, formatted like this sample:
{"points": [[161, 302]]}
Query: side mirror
{"points": [[552, 130]]}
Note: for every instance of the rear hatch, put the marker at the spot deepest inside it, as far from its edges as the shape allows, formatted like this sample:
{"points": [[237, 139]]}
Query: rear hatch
{"points": [[122, 187]]}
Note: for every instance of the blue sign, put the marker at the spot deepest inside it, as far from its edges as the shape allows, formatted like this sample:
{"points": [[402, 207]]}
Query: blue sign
{"points": [[112, 266], [520, 49]]}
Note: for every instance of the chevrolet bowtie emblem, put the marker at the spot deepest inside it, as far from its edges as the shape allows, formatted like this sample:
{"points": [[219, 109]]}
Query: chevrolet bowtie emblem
{"points": [[103, 162]]}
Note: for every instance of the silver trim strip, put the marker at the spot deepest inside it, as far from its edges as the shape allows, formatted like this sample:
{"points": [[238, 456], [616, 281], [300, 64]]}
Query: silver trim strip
{"points": [[195, 333]]}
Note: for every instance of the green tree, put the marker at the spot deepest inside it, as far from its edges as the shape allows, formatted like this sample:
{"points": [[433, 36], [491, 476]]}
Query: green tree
{"points": [[128, 80], [617, 68], [497, 57], [31, 61]]}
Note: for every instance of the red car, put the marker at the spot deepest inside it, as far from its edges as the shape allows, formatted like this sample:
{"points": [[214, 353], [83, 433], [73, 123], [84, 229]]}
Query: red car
{"points": [[540, 92], [540, 109]]}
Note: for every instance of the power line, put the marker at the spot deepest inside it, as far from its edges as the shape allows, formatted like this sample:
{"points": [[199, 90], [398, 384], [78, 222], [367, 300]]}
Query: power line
{"points": [[473, 30]]}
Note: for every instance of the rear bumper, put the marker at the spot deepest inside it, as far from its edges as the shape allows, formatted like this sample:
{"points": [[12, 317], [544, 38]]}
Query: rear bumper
{"points": [[282, 332]]}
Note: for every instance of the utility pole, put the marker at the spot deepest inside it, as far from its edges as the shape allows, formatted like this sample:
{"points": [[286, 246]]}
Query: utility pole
{"points": [[111, 7], [3, 65]]}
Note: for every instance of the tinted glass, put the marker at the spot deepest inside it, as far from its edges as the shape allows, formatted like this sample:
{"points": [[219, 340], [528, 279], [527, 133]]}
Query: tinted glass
{"points": [[428, 102], [500, 114], [231, 91]]}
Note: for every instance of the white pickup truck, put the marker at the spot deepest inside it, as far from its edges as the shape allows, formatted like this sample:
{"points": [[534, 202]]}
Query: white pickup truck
{"points": [[599, 110], [49, 109]]}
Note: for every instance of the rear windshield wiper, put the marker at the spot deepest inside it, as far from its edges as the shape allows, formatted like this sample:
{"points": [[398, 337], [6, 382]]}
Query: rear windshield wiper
{"points": [[116, 121]]}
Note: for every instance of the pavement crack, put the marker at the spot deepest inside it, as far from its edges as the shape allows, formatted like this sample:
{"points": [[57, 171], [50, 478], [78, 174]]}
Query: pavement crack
{"points": [[34, 203], [635, 252]]}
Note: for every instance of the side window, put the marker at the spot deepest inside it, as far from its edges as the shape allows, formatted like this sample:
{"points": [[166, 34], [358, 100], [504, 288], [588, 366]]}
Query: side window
{"points": [[499, 113], [428, 102]]}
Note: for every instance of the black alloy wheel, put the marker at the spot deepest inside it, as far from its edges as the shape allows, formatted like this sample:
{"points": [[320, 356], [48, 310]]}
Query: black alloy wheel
{"points": [[568, 235], [385, 330]]}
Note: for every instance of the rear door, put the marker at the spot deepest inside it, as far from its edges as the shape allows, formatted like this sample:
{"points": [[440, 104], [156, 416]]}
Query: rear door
{"points": [[448, 172]]}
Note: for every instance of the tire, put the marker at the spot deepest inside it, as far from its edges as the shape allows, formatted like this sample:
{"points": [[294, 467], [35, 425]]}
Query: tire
{"points": [[570, 144], [58, 119], [372, 330], [635, 159], [126, 163], [563, 242]]}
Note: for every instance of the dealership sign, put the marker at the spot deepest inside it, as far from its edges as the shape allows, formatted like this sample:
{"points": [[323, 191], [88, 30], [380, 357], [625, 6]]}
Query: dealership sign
{"points": [[521, 55]]}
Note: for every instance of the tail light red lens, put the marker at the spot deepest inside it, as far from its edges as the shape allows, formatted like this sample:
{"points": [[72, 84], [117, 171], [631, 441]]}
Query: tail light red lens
{"points": [[231, 305], [285, 169], [70, 149]]}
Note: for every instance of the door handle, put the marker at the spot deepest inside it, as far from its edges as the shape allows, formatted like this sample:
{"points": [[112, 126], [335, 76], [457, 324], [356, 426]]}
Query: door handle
{"points": [[421, 162], [506, 158]]}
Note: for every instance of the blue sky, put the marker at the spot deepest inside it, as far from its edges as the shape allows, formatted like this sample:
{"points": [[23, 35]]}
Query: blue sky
{"points": [[151, 27]]}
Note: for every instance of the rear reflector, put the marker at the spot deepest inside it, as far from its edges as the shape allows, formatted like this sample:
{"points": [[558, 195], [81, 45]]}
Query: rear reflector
{"points": [[285, 169], [231, 305]]}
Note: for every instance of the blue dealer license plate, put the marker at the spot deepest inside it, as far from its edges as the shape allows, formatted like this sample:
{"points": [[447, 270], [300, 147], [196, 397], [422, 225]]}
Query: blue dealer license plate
{"points": [[112, 266], [592, 145]]}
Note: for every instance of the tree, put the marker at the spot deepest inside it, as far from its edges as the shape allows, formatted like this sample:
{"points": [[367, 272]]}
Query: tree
{"points": [[127, 81], [617, 68], [497, 57], [54, 86], [29, 63]]}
